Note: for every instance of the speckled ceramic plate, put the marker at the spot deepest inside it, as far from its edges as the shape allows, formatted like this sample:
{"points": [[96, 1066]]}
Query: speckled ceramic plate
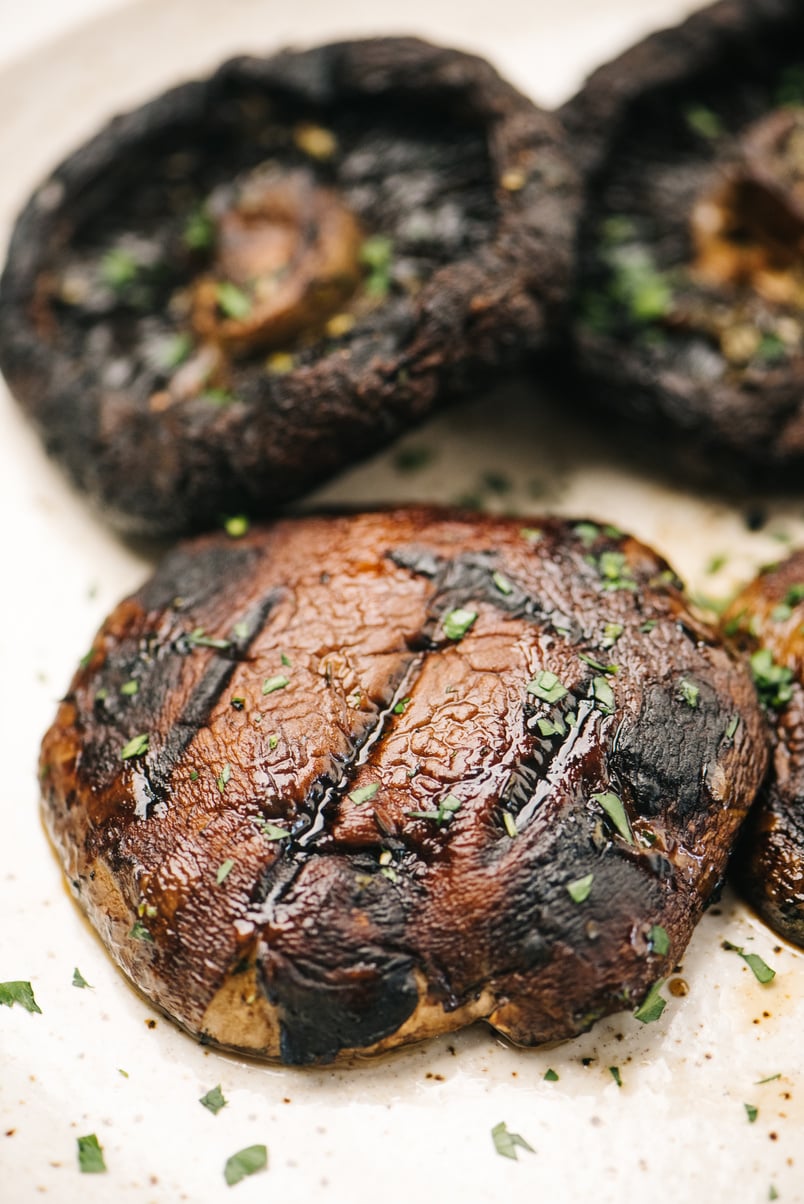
{"points": [[415, 1126]]}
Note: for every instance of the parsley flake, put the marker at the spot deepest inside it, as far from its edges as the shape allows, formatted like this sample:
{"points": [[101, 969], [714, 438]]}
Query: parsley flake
{"points": [[595, 664], [614, 808], [689, 691], [658, 940], [456, 623], [273, 832], [272, 684], [236, 526], [232, 301], [580, 889], [376, 254], [545, 685], [506, 1143], [752, 1112], [531, 534], [446, 809], [118, 269], [401, 706], [611, 634], [199, 230], [652, 1005], [734, 723], [771, 680], [509, 822], [603, 695], [136, 747], [130, 688], [197, 639], [614, 1071], [614, 571], [363, 793], [223, 778], [90, 1155], [21, 993], [502, 583], [140, 933], [79, 980], [224, 870], [770, 1079], [214, 1100], [245, 1162], [587, 533], [761, 971], [550, 1076]]}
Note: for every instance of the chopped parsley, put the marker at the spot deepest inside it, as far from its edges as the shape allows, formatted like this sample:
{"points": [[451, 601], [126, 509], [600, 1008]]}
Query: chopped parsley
{"points": [[118, 269], [648, 626], [549, 728], [502, 583], [237, 702], [506, 1143], [90, 1155], [214, 1100], [595, 664], [773, 682], [199, 230], [781, 613], [376, 254], [614, 808], [401, 706], [614, 571], [587, 533], [198, 639], [509, 822], [272, 742], [614, 1071], [236, 526], [658, 940], [363, 793], [272, 684], [245, 1162], [752, 1112], [456, 623], [652, 1005], [689, 691], [550, 1076], [545, 685], [224, 870], [223, 778], [273, 832], [531, 534], [446, 809], [140, 933], [130, 688], [734, 723], [136, 747], [580, 889], [21, 993], [175, 351], [770, 1079], [611, 634], [704, 122], [603, 695], [79, 980], [761, 971], [232, 301]]}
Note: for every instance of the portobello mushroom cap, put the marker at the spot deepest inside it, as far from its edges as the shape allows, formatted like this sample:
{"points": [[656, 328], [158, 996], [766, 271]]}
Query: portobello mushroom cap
{"points": [[767, 620], [254, 280], [347, 782], [688, 312]]}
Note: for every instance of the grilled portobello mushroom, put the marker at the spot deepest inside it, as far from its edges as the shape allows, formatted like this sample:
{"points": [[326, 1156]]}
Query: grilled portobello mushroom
{"points": [[254, 280], [767, 620], [688, 313], [350, 781]]}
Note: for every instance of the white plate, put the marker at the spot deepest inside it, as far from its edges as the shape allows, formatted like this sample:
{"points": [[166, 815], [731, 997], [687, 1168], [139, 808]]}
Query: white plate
{"points": [[415, 1126]]}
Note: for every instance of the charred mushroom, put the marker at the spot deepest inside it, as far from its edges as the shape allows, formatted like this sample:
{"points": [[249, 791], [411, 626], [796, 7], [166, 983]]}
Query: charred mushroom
{"points": [[236, 290], [688, 317], [349, 782], [767, 620]]}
